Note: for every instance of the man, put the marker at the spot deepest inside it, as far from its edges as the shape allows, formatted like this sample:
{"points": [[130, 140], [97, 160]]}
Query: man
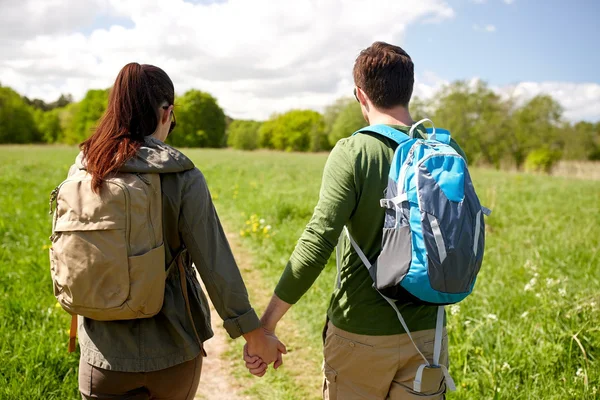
{"points": [[367, 353]]}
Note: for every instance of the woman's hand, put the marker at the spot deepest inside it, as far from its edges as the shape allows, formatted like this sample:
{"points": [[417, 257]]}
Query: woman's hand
{"points": [[263, 348]]}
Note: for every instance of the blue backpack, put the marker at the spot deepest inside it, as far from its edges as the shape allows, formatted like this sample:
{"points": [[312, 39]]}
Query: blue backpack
{"points": [[433, 232]]}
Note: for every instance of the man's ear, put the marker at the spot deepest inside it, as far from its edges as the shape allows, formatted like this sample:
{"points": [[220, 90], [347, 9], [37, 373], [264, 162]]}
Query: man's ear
{"points": [[362, 98]]}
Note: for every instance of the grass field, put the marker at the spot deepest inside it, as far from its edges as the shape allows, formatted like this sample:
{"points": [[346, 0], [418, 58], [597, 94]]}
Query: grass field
{"points": [[531, 330]]}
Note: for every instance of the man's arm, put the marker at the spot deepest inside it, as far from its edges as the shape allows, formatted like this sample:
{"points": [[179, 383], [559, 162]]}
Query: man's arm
{"points": [[274, 312], [337, 200]]}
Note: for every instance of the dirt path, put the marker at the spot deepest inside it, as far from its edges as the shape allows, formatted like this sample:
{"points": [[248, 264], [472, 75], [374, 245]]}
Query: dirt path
{"points": [[217, 381]]}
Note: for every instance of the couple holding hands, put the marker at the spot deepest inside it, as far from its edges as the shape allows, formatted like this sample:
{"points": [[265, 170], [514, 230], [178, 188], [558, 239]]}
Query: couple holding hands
{"points": [[367, 351]]}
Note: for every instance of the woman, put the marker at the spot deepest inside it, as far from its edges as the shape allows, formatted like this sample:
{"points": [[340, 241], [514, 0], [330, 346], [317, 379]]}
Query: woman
{"points": [[161, 357]]}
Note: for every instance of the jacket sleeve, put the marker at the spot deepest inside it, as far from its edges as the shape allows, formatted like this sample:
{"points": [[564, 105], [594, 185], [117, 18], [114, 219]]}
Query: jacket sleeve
{"points": [[207, 244], [337, 201]]}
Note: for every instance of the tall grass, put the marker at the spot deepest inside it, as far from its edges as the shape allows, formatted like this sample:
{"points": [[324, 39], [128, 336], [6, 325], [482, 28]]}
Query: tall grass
{"points": [[34, 363], [531, 330]]}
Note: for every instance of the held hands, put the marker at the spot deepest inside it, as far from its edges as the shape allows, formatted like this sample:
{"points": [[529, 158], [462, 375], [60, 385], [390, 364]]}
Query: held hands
{"points": [[262, 349]]}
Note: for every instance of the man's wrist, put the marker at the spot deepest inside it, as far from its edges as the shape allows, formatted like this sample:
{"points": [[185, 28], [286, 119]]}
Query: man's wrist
{"points": [[268, 324]]}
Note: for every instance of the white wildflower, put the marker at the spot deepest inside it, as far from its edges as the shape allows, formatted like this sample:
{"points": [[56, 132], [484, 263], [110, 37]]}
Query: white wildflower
{"points": [[467, 322], [593, 304], [538, 295], [492, 317], [268, 227], [262, 221], [552, 282], [505, 366], [525, 314], [454, 309], [530, 265], [531, 284], [562, 292], [579, 372]]}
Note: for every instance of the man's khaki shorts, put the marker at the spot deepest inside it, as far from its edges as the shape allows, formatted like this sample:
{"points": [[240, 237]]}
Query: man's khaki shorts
{"points": [[380, 367]]}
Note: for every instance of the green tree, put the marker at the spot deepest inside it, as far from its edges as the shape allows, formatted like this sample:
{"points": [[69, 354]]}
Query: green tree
{"points": [[581, 141], [48, 125], [66, 118], [348, 121], [38, 104], [86, 116], [478, 119], [537, 124], [200, 121], [17, 124], [265, 132], [421, 108], [243, 134], [296, 130], [333, 110]]}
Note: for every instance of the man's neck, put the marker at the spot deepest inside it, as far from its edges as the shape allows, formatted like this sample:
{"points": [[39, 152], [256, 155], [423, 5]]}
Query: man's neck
{"points": [[393, 116]]}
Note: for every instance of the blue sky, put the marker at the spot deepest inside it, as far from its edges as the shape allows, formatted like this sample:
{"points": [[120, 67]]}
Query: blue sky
{"points": [[263, 56], [532, 41]]}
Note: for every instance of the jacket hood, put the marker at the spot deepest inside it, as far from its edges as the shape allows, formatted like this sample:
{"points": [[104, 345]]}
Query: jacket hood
{"points": [[153, 157]]}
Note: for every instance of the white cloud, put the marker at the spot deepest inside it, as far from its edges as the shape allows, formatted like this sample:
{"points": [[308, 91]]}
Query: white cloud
{"points": [[479, 1], [581, 101], [255, 57], [509, 1], [485, 28]]}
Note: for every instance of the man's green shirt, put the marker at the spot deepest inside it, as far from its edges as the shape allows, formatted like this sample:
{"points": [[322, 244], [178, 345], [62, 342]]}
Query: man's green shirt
{"points": [[354, 180]]}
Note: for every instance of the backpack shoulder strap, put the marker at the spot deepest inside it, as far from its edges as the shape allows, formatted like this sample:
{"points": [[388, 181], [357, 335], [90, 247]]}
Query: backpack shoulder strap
{"points": [[386, 131]]}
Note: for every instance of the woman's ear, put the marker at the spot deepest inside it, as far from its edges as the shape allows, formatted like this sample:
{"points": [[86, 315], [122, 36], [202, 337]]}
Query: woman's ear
{"points": [[166, 114]]}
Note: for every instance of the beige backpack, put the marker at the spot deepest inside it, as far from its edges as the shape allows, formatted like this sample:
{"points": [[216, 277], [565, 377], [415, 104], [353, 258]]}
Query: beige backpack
{"points": [[107, 257]]}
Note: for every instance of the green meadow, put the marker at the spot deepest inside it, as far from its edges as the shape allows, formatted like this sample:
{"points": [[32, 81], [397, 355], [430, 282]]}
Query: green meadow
{"points": [[531, 329]]}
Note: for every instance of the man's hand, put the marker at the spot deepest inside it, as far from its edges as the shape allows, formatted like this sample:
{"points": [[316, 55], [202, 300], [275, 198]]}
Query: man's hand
{"points": [[256, 365], [262, 348]]}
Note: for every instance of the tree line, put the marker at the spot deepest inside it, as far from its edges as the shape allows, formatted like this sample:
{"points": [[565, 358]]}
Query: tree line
{"points": [[491, 129]]}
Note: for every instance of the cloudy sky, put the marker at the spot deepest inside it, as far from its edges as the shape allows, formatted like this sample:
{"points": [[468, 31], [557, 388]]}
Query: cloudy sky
{"points": [[262, 56]]}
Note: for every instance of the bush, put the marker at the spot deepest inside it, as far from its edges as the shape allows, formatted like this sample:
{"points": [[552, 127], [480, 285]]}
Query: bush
{"points": [[86, 116], [243, 134], [296, 130], [48, 125], [17, 124], [200, 121], [542, 160], [348, 121]]}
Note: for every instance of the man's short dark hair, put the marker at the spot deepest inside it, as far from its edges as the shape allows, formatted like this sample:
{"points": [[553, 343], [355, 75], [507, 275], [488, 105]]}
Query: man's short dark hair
{"points": [[386, 74]]}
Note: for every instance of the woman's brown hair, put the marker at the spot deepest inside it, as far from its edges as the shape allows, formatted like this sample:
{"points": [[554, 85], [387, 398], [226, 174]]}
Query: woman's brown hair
{"points": [[132, 114]]}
